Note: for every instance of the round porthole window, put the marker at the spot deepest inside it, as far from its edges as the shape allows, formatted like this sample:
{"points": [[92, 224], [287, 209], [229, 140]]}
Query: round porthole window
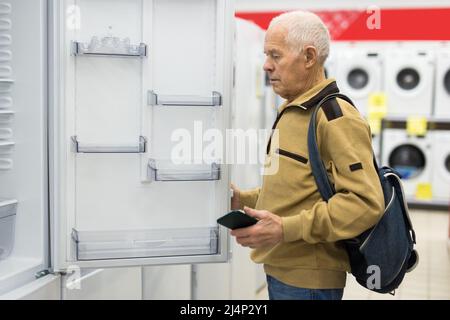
{"points": [[408, 79], [407, 160], [358, 78], [447, 82], [447, 163]]}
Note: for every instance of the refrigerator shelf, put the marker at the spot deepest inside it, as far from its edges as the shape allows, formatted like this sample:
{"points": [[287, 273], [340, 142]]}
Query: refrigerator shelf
{"points": [[7, 207], [85, 49], [184, 100], [6, 147], [6, 116], [140, 147], [128, 244], [7, 81], [167, 171]]}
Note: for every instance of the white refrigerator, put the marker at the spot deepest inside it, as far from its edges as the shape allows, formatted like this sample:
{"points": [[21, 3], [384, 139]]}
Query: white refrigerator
{"points": [[95, 96]]}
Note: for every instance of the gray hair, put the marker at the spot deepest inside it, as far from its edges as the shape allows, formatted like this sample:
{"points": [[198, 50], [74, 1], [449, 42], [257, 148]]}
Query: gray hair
{"points": [[305, 28]]}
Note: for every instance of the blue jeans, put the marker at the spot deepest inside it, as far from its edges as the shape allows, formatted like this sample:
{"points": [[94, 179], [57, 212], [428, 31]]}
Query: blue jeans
{"points": [[281, 291]]}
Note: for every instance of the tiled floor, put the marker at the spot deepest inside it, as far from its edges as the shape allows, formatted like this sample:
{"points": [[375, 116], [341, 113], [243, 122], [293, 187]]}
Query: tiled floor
{"points": [[431, 278]]}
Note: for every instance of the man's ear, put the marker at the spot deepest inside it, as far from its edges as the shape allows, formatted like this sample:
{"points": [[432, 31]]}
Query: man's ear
{"points": [[310, 56]]}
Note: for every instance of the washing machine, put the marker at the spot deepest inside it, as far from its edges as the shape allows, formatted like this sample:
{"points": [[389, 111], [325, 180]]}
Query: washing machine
{"points": [[442, 84], [409, 81], [410, 156], [441, 165], [359, 74]]}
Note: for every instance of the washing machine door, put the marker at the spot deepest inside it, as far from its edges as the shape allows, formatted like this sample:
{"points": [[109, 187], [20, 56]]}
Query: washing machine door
{"points": [[408, 160], [358, 78], [447, 163], [408, 78], [446, 82]]}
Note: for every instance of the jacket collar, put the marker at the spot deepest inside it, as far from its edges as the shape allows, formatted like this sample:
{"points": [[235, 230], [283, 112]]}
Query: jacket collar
{"points": [[313, 96]]}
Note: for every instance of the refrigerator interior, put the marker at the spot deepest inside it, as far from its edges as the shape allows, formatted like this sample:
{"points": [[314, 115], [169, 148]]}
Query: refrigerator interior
{"points": [[135, 84], [23, 142]]}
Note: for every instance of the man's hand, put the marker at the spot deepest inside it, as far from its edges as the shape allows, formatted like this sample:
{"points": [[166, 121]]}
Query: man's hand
{"points": [[266, 233], [236, 199]]}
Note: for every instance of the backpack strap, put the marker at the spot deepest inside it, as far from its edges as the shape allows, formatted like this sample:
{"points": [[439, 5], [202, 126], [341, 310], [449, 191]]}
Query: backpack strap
{"points": [[319, 172]]}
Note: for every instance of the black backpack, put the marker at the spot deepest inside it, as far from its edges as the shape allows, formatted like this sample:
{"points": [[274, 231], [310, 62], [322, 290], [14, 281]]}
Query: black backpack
{"points": [[381, 255]]}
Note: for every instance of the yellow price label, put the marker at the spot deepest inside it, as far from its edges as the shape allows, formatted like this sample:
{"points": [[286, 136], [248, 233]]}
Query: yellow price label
{"points": [[377, 105], [424, 191], [378, 99], [416, 126], [375, 124]]}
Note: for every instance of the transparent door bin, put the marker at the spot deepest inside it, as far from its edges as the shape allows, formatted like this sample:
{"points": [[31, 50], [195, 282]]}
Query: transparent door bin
{"points": [[104, 245], [160, 170], [184, 100], [79, 147], [8, 209], [109, 46]]}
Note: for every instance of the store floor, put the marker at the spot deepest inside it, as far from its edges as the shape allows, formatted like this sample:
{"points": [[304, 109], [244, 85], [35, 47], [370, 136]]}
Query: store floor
{"points": [[431, 278]]}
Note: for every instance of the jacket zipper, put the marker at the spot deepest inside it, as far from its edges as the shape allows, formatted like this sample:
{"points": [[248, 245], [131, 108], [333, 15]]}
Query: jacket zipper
{"points": [[292, 156]]}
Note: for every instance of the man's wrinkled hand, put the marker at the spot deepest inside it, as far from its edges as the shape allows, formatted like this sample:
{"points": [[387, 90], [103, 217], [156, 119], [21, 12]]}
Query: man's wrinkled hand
{"points": [[266, 233]]}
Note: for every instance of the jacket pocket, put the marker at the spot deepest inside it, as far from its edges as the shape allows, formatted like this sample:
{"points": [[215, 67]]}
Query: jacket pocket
{"points": [[291, 155]]}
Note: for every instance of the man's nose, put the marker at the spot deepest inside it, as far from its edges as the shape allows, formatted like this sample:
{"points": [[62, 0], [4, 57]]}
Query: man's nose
{"points": [[268, 66]]}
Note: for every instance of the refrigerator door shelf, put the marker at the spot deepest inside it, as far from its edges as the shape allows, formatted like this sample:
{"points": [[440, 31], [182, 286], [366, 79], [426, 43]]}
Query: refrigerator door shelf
{"points": [[180, 100], [104, 245], [7, 208], [80, 49], [168, 171], [140, 147]]}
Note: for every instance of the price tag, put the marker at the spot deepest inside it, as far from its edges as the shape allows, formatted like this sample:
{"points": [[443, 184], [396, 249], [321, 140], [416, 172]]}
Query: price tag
{"points": [[424, 191], [377, 104], [375, 124], [416, 126]]}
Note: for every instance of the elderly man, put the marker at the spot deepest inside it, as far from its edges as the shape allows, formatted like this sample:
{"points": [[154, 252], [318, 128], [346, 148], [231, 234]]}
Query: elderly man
{"points": [[298, 235]]}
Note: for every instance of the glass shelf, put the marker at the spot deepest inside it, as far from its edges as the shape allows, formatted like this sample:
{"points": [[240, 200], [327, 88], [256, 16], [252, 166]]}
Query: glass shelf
{"points": [[101, 245], [140, 147], [7, 81], [184, 100], [160, 170], [87, 49]]}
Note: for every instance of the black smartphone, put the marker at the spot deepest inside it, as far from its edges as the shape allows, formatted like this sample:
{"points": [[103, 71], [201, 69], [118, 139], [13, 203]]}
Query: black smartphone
{"points": [[237, 219]]}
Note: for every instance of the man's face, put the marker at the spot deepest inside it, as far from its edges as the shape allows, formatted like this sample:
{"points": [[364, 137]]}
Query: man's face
{"points": [[286, 68]]}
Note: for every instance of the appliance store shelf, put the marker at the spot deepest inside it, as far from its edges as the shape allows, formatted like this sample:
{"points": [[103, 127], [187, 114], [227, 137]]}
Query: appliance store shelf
{"points": [[101, 245]]}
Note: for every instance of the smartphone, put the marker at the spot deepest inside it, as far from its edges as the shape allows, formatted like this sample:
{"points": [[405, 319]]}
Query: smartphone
{"points": [[237, 219]]}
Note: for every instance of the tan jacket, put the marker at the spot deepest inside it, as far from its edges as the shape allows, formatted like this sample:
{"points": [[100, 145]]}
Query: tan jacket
{"points": [[311, 255]]}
